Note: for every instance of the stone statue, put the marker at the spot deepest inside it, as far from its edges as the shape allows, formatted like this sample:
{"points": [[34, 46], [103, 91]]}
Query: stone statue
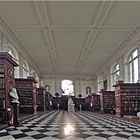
{"points": [[15, 109], [70, 105], [32, 73], [14, 96]]}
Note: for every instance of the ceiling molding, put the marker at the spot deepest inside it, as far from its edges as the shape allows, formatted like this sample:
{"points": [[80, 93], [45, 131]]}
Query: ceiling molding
{"points": [[88, 44], [120, 49], [50, 34], [72, 28], [49, 42], [5, 28], [67, 76]]}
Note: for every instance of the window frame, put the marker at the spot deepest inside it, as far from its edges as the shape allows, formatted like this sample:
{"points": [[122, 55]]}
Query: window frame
{"points": [[115, 70], [130, 62]]}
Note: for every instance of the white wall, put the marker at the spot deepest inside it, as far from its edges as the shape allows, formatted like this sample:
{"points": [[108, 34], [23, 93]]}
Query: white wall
{"points": [[119, 56], [51, 83], [79, 86]]}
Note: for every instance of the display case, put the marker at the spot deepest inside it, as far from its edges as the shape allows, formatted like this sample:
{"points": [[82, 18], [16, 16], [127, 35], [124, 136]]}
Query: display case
{"points": [[26, 88], [127, 98], [107, 100]]}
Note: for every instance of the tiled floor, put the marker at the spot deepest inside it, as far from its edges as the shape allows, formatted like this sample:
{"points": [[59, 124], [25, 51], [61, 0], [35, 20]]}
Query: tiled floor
{"points": [[56, 125]]}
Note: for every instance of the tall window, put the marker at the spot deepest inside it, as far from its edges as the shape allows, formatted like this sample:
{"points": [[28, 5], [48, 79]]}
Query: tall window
{"points": [[116, 73], [67, 87], [37, 79], [134, 66], [25, 69], [105, 84]]}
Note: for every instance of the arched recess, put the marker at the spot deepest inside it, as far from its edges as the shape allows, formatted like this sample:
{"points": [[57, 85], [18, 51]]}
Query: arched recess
{"points": [[37, 79], [14, 53], [115, 73], [100, 83], [25, 69], [133, 65], [135, 46]]}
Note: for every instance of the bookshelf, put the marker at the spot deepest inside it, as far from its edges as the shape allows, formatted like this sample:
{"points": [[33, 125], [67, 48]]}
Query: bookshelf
{"points": [[56, 101], [127, 98], [26, 89], [40, 92], [80, 101], [93, 102], [7, 82], [107, 100], [48, 100], [95, 99]]}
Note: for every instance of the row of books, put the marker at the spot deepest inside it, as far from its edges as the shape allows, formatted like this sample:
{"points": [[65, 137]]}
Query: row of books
{"points": [[131, 108], [24, 92], [130, 93], [26, 98], [26, 103], [1, 68], [136, 97], [1, 75], [132, 90], [2, 95], [22, 86]]}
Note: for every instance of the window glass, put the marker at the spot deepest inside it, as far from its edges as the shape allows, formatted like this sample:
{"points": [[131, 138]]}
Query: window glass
{"points": [[67, 87], [116, 73], [133, 66]]}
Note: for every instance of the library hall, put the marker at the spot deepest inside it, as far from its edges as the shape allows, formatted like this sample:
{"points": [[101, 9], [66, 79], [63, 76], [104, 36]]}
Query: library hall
{"points": [[69, 70]]}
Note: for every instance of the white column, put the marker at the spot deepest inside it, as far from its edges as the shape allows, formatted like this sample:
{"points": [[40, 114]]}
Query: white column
{"points": [[77, 87], [109, 86], [58, 86], [20, 65], [121, 62], [1, 42]]}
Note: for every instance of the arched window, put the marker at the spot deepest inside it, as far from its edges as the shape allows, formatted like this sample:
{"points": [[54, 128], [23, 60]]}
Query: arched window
{"points": [[25, 69], [12, 51], [37, 79], [115, 73], [134, 66], [100, 83], [88, 90], [67, 87]]}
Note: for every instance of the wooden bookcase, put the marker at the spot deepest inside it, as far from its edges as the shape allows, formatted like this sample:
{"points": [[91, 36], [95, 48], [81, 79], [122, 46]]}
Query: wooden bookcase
{"points": [[48, 101], [41, 102], [95, 99], [7, 82], [107, 99], [26, 89], [127, 98], [56, 101], [80, 101]]}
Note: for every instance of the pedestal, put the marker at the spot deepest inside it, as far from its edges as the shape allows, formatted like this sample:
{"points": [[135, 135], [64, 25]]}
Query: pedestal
{"points": [[80, 107], [15, 113]]}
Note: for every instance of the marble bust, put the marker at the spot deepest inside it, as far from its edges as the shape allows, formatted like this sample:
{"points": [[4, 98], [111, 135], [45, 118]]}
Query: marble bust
{"points": [[14, 96]]}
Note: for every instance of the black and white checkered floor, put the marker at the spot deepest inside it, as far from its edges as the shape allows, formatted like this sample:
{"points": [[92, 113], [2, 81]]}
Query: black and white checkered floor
{"points": [[57, 125]]}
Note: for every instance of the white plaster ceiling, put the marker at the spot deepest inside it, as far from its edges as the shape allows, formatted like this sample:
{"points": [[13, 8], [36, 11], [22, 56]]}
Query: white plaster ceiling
{"points": [[68, 37]]}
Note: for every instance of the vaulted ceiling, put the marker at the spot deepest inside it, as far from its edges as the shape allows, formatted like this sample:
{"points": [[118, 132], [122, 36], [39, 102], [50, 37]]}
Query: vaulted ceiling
{"points": [[68, 37]]}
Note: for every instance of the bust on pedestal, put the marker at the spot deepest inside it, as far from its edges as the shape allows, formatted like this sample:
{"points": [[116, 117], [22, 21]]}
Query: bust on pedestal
{"points": [[15, 102]]}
